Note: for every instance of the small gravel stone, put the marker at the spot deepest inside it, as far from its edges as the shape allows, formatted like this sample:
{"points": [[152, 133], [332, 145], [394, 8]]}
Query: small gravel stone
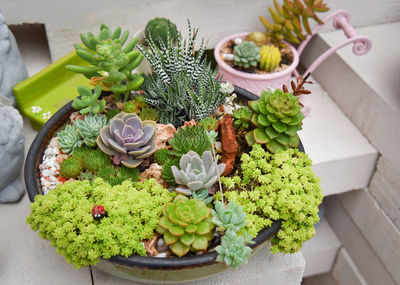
{"points": [[228, 57], [161, 246], [162, 255], [238, 41]]}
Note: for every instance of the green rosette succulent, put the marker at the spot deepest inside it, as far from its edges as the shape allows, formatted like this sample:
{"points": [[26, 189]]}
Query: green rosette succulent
{"points": [[241, 118], [230, 217], [89, 128], [277, 117], [88, 101], [233, 249], [247, 54], [69, 139], [186, 225]]}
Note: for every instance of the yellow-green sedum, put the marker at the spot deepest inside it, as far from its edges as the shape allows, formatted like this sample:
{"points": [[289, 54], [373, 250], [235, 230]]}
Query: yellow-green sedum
{"points": [[277, 187], [64, 217]]}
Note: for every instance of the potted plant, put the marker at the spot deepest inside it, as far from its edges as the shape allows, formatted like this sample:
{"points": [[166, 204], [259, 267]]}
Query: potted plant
{"points": [[258, 60], [174, 182]]}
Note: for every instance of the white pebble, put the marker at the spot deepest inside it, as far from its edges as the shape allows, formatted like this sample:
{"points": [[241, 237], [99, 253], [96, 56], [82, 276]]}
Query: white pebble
{"points": [[47, 184], [42, 167], [238, 41], [46, 173], [42, 180], [228, 56], [161, 246], [162, 255], [52, 187], [45, 191], [53, 169], [48, 152]]}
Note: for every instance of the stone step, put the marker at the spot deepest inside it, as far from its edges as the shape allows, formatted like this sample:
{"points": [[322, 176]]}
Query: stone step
{"points": [[320, 251]]}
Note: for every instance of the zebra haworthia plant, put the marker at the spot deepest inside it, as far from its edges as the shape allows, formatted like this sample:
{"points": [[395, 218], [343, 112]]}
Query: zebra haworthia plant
{"points": [[183, 86]]}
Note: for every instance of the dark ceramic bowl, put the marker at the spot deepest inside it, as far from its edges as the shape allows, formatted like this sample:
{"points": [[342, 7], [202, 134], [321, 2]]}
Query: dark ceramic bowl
{"points": [[138, 268]]}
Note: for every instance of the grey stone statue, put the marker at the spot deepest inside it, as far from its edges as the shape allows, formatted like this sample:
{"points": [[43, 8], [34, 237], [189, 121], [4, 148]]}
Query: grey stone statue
{"points": [[11, 152], [12, 68]]}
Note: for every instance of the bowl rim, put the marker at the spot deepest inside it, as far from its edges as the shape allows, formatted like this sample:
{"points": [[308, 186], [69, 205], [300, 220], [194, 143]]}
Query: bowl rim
{"points": [[221, 63], [33, 186]]}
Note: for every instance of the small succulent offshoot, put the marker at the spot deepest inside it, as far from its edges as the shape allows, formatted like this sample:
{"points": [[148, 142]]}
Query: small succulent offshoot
{"points": [[241, 118], [89, 103], [89, 128]]}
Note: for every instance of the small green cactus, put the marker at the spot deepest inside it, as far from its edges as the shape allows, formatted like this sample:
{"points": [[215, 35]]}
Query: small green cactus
{"points": [[69, 139], [241, 118], [189, 138], [149, 113], [70, 168], [209, 123], [162, 155], [288, 19], [161, 31], [277, 117], [186, 225], [270, 58], [89, 128], [89, 103], [247, 54], [95, 160]]}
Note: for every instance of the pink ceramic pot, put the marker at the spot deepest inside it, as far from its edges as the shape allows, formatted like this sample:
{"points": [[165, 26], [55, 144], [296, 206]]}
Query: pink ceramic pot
{"points": [[253, 82]]}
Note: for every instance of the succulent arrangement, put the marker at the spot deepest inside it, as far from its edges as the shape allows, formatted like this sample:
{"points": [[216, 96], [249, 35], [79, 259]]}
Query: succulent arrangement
{"points": [[178, 166]]}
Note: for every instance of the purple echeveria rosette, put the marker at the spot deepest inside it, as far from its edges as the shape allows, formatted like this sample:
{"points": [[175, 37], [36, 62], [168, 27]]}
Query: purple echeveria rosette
{"points": [[128, 139]]}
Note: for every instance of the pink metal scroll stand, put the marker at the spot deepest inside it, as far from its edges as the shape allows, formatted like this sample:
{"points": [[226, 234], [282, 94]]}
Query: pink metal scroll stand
{"points": [[341, 19]]}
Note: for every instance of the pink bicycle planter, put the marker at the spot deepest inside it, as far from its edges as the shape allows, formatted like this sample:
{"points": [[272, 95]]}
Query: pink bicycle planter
{"points": [[258, 82]]}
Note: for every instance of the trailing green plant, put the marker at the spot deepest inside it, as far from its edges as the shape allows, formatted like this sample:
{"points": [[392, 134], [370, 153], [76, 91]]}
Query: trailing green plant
{"points": [[209, 123], [270, 58], [162, 155], [111, 63], [161, 30], [277, 187], [70, 168], [186, 225], [183, 87], [149, 113], [230, 217], [196, 173], [241, 118], [166, 171], [189, 138], [277, 118], [89, 128], [247, 54], [89, 103], [69, 139], [290, 19], [233, 249], [65, 218]]}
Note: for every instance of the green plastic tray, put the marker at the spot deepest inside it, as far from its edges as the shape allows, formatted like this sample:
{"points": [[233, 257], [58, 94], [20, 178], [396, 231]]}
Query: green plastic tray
{"points": [[43, 94]]}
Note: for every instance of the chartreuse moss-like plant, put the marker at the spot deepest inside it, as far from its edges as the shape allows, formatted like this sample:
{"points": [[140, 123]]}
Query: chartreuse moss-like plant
{"points": [[247, 54], [70, 167], [186, 225], [277, 118], [277, 187], [89, 103], [290, 19], [161, 31], [189, 138], [111, 63], [270, 58], [183, 86], [241, 118], [65, 218]]}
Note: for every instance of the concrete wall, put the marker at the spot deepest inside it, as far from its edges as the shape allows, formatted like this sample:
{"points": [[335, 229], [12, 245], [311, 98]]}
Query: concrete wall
{"points": [[64, 20]]}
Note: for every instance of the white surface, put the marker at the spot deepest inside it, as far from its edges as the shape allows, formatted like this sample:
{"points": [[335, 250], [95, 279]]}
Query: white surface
{"points": [[345, 271], [320, 251], [64, 20], [342, 157]]}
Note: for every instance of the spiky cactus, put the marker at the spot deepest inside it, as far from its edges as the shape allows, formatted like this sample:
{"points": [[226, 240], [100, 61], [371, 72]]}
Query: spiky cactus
{"points": [[270, 57], [161, 30], [289, 20], [247, 54], [277, 118]]}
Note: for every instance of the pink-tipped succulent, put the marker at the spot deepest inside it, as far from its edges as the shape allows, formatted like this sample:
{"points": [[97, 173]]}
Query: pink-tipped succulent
{"points": [[128, 139]]}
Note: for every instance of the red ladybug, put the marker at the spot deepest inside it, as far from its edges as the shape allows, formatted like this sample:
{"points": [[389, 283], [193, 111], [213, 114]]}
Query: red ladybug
{"points": [[98, 212]]}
